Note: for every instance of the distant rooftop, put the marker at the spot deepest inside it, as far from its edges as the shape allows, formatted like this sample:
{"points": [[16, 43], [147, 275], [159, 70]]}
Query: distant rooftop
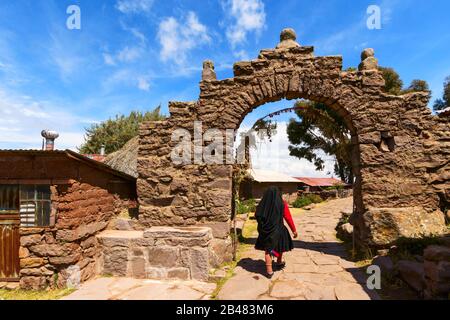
{"points": [[319, 182], [270, 176]]}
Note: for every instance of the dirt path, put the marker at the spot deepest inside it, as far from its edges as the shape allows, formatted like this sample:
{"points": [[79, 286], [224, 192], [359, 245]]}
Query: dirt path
{"points": [[317, 269]]}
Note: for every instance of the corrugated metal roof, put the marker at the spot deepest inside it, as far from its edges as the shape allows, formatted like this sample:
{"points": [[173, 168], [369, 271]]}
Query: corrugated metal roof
{"points": [[319, 182], [71, 154], [270, 176], [444, 112]]}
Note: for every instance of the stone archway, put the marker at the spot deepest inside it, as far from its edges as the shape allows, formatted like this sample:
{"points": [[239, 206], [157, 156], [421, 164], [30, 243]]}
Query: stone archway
{"points": [[402, 163]]}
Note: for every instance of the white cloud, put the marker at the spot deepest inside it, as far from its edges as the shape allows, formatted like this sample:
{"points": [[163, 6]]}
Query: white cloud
{"points": [[177, 38], [23, 118], [129, 54], [143, 84], [242, 55], [247, 15], [134, 6], [275, 156], [108, 59]]}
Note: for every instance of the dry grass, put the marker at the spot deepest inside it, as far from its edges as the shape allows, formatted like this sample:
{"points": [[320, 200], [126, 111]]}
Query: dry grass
{"points": [[50, 294]]}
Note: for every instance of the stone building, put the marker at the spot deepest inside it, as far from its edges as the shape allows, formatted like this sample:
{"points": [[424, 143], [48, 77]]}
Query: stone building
{"points": [[52, 205], [257, 181]]}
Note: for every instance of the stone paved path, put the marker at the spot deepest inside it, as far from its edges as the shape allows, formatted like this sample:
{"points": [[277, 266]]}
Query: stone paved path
{"points": [[139, 289], [317, 269]]}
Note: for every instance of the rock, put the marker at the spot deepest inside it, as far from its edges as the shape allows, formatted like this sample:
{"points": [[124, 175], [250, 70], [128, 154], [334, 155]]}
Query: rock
{"points": [[288, 39], [208, 72], [218, 275], [385, 263], [12, 286], [370, 63], [33, 283], [178, 273], [31, 262], [347, 229], [437, 253], [26, 241], [23, 252], [412, 273], [120, 224], [369, 52], [389, 224], [66, 260], [309, 206], [242, 68], [163, 256]]}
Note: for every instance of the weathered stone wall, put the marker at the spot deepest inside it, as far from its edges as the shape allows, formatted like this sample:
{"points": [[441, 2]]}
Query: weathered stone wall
{"points": [[157, 253], [437, 271], [399, 146]]}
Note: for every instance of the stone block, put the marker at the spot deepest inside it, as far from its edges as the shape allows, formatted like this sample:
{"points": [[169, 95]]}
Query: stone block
{"points": [[31, 262], [437, 253], [177, 232], [138, 267], [199, 263], [163, 257], [33, 283], [412, 273], [388, 224], [115, 261], [66, 260], [178, 273], [33, 239]]}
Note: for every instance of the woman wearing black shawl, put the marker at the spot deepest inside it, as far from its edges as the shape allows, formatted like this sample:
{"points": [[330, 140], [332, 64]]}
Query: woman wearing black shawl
{"points": [[273, 236]]}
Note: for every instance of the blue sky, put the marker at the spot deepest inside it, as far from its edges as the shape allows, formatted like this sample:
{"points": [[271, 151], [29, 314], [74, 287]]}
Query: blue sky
{"points": [[137, 54]]}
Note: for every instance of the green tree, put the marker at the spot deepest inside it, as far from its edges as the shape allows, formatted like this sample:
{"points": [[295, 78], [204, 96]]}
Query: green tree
{"points": [[114, 133], [321, 129], [440, 104], [418, 85], [392, 79]]}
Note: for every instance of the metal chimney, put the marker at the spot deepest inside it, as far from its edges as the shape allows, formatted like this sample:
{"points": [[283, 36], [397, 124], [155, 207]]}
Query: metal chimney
{"points": [[49, 137]]}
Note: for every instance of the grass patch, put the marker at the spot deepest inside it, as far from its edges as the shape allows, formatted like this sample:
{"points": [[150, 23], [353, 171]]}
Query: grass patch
{"points": [[50, 294], [248, 231]]}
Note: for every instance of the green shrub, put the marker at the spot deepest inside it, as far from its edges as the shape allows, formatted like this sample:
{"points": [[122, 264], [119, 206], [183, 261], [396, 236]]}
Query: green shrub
{"points": [[245, 206], [301, 202], [306, 200], [315, 198]]}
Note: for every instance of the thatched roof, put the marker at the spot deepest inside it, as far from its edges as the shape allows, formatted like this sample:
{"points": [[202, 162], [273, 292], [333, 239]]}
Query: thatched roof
{"points": [[125, 159]]}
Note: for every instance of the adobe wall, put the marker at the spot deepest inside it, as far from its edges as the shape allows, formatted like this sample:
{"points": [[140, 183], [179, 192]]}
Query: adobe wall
{"points": [[82, 207]]}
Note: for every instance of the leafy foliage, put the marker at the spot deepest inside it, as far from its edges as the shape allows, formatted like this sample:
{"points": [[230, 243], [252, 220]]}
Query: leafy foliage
{"points": [[245, 206], [443, 103], [392, 79], [113, 134], [306, 200], [418, 85], [321, 129]]}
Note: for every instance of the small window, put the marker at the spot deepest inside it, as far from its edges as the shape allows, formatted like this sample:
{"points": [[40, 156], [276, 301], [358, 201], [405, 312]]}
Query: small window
{"points": [[35, 205], [9, 199]]}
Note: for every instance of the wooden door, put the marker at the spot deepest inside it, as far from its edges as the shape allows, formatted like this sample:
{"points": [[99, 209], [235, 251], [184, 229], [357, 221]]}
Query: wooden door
{"points": [[9, 233]]}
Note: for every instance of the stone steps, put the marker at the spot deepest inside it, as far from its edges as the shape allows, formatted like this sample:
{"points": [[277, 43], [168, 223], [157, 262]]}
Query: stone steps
{"points": [[156, 253]]}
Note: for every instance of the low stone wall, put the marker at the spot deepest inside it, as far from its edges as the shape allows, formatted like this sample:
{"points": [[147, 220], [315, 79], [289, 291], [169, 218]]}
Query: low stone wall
{"points": [[437, 271], [157, 253], [50, 255]]}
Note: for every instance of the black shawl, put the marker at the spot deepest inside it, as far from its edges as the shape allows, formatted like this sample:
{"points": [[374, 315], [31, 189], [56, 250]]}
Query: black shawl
{"points": [[269, 215]]}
